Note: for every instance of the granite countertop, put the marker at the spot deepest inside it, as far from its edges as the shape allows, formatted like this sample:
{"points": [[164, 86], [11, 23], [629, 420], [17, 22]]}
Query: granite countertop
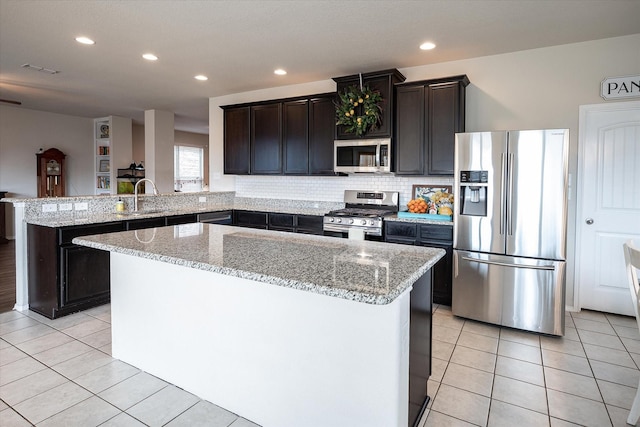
{"points": [[70, 218], [363, 271]]}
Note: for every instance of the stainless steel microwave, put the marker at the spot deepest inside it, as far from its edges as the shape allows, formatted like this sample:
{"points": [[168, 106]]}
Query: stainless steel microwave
{"points": [[362, 155]]}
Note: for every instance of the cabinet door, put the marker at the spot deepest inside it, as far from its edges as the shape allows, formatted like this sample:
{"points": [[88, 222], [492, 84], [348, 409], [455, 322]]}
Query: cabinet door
{"points": [[442, 272], [310, 224], [139, 224], [250, 219], [400, 230], [295, 137], [181, 219], [85, 274], [382, 82], [445, 112], [281, 221], [266, 139], [410, 131], [322, 126], [237, 141]]}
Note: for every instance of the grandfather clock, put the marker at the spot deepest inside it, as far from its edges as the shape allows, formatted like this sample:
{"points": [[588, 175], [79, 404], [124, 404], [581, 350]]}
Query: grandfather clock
{"points": [[51, 173]]}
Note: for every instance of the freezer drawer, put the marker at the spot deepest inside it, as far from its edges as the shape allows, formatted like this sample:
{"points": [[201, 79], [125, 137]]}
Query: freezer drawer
{"points": [[520, 293]]}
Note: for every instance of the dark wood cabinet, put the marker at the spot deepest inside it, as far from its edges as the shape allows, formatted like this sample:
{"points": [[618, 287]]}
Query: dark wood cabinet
{"points": [[266, 139], [250, 219], [409, 140], [322, 126], [181, 219], [138, 224], [379, 81], [282, 222], [436, 236], [428, 115], [295, 223], [310, 224], [63, 277], [237, 147], [85, 275], [295, 137], [291, 136]]}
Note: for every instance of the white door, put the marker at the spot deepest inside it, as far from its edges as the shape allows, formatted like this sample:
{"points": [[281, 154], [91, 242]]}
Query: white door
{"points": [[608, 203]]}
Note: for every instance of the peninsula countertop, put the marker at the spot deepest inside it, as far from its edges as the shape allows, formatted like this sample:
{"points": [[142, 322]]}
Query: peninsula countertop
{"points": [[362, 271]]}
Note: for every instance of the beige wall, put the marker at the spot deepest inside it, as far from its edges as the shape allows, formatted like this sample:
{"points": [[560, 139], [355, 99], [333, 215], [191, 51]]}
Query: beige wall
{"points": [[23, 132], [180, 138], [538, 88]]}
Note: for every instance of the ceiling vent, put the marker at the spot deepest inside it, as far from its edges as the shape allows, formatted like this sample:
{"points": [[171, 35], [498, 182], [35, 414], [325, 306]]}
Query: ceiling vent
{"points": [[42, 69]]}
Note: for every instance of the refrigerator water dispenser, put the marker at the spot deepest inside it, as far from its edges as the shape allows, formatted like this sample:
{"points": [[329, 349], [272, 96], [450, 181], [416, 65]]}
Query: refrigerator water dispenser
{"points": [[473, 193]]}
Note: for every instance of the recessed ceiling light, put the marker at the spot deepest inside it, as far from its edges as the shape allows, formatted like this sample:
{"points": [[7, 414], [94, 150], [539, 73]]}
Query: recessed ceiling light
{"points": [[201, 77], [85, 40], [280, 72], [150, 57], [427, 46]]}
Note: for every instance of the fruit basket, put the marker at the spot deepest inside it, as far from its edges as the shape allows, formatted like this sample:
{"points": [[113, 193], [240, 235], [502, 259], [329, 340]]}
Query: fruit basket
{"points": [[430, 203]]}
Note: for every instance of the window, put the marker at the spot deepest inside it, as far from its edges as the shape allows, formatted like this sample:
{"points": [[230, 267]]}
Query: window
{"points": [[189, 168]]}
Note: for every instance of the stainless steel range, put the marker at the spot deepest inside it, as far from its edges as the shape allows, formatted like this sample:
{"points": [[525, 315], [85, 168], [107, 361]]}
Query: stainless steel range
{"points": [[364, 210]]}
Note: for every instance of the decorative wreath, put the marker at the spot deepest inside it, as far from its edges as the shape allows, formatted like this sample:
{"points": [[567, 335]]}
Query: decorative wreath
{"points": [[359, 109]]}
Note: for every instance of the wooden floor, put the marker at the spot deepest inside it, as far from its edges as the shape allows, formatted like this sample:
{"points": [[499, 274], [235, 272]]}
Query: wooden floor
{"points": [[7, 276]]}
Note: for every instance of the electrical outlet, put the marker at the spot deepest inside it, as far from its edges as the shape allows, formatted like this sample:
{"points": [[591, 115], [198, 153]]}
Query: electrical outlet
{"points": [[49, 207], [202, 199], [65, 207], [82, 206]]}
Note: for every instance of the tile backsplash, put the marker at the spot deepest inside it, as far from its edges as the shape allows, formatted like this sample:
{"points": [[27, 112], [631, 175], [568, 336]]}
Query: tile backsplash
{"points": [[330, 188]]}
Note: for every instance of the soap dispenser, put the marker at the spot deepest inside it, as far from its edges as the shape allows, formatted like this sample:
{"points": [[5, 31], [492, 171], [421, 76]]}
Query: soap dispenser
{"points": [[120, 205]]}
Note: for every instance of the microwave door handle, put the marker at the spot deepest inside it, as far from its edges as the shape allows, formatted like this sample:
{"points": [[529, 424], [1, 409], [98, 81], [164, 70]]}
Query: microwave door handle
{"points": [[378, 156]]}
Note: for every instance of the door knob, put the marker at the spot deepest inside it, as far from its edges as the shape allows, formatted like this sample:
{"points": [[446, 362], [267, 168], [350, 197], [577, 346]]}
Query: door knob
{"points": [[589, 221]]}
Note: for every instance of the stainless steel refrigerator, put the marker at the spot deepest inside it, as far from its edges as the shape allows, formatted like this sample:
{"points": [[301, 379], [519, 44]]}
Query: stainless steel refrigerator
{"points": [[510, 228]]}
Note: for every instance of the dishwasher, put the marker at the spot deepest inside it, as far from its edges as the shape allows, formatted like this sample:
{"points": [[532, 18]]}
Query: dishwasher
{"points": [[223, 217]]}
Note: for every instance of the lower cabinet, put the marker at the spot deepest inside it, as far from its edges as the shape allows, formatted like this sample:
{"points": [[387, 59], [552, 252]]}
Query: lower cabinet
{"points": [[306, 224], [435, 236], [79, 265], [63, 277], [250, 219], [310, 224]]}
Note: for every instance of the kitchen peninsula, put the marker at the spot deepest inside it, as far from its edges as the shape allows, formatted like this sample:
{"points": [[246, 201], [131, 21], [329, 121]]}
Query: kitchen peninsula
{"points": [[284, 329]]}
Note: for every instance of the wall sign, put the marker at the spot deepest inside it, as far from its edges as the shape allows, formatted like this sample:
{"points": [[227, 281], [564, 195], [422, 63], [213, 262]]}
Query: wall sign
{"points": [[620, 87]]}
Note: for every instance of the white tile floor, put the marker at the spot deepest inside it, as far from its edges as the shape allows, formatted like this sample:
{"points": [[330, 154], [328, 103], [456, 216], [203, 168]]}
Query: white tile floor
{"points": [[60, 373]]}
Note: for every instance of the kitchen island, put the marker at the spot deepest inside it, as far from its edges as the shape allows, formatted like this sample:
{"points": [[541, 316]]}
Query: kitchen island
{"points": [[285, 330]]}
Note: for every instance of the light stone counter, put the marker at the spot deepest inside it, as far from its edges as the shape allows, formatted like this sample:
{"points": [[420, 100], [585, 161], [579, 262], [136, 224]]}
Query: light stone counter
{"points": [[363, 271], [284, 329]]}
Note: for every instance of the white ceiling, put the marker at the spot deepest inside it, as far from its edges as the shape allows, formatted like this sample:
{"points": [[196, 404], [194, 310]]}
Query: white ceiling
{"points": [[238, 44]]}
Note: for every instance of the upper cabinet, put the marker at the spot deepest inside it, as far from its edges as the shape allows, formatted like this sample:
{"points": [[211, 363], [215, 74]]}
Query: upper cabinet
{"points": [[322, 126], [428, 114], [266, 139], [290, 136], [295, 136], [237, 147], [379, 81], [112, 149]]}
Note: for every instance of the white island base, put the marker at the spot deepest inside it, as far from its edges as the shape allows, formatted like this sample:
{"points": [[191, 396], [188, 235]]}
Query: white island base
{"points": [[277, 356]]}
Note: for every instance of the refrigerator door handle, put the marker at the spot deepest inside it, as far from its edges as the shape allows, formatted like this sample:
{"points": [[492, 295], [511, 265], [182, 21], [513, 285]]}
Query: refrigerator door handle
{"points": [[510, 194], [506, 264], [503, 174]]}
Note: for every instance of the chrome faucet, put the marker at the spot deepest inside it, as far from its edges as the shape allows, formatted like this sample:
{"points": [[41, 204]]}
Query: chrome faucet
{"points": [[135, 191]]}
